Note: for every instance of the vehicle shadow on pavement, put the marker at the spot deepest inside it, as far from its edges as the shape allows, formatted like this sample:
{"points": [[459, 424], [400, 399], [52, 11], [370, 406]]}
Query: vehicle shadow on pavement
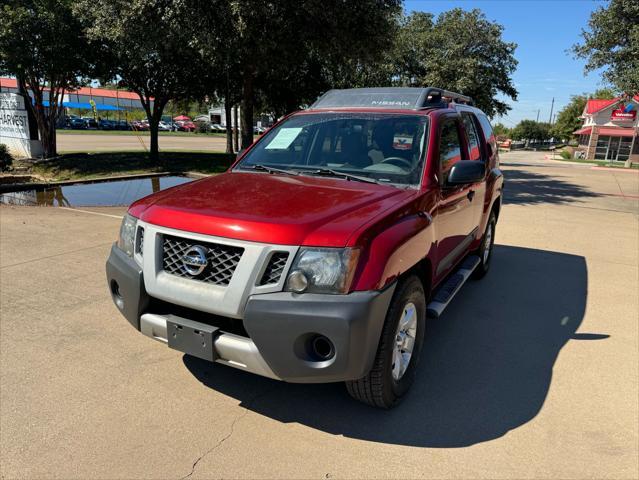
{"points": [[527, 188], [485, 369]]}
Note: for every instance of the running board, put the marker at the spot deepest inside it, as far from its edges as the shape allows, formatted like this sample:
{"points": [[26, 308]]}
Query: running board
{"points": [[447, 291]]}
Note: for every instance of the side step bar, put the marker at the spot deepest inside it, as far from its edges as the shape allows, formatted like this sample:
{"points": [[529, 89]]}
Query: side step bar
{"points": [[451, 286]]}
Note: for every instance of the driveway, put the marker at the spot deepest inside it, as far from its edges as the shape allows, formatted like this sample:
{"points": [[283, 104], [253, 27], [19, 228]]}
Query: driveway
{"points": [[530, 373]]}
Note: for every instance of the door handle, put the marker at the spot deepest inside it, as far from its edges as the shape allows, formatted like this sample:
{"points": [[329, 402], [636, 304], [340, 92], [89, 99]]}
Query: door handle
{"points": [[471, 195]]}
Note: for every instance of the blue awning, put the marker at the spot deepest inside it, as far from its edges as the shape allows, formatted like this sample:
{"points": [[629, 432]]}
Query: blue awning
{"points": [[85, 106]]}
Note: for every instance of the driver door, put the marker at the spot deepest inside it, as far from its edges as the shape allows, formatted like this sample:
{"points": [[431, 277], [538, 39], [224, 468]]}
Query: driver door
{"points": [[455, 213]]}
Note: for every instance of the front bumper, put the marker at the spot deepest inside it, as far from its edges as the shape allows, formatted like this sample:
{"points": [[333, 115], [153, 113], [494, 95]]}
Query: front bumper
{"points": [[280, 327]]}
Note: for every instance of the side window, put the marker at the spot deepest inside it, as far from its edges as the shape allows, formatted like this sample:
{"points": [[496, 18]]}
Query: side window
{"points": [[488, 131], [474, 144], [449, 147]]}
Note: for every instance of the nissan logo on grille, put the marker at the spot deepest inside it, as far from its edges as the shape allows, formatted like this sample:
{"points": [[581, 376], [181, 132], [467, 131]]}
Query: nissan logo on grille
{"points": [[194, 260]]}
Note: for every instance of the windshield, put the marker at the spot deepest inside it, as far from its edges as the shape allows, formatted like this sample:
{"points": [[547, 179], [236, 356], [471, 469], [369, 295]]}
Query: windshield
{"points": [[387, 148]]}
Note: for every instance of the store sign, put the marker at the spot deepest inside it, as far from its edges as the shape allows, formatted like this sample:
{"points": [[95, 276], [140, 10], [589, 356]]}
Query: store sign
{"points": [[625, 115], [13, 117], [14, 127]]}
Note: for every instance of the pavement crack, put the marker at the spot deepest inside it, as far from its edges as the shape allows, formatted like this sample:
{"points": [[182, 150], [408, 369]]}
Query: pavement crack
{"points": [[239, 417]]}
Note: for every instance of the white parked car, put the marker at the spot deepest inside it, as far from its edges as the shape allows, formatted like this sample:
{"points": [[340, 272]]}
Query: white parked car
{"points": [[217, 128]]}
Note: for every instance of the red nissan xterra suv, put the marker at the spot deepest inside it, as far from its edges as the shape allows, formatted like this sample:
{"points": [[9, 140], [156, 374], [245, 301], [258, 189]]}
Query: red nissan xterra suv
{"points": [[319, 254]]}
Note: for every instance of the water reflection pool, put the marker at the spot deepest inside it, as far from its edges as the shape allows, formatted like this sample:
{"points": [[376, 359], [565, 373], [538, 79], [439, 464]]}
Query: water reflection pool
{"points": [[121, 192]]}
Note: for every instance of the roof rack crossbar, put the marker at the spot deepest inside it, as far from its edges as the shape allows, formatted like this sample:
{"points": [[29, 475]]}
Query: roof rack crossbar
{"points": [[413, 98], [436, 97]]}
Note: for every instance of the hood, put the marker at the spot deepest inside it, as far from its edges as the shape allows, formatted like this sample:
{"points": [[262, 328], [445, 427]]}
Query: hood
{"points": [[270, 208]]}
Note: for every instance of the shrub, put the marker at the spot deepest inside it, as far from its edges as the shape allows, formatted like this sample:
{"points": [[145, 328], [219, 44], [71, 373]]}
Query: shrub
{"points": [[6, 159], [565, 154]]}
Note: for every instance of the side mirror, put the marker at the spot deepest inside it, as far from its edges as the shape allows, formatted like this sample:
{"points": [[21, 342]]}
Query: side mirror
{"points": [[466, 171], [240, 153]]}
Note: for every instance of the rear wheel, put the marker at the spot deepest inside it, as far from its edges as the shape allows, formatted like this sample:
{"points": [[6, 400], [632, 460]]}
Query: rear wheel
{"points": [[485, 251], [398, 352]]}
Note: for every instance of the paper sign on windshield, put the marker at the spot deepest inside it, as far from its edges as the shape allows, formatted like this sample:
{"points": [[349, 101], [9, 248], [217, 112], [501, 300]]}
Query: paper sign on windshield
{"points": [[283, 139], [402, 142]]}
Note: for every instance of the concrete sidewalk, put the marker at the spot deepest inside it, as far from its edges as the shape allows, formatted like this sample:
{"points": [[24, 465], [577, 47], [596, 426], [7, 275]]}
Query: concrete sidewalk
{"points": [[531, 372]]}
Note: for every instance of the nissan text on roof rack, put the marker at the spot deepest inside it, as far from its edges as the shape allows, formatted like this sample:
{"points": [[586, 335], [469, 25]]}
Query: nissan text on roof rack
{"points": [[319, 254]]}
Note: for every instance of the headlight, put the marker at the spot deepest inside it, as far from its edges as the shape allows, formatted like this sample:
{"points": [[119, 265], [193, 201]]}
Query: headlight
{"points": [[127, 234], [322, 270]]}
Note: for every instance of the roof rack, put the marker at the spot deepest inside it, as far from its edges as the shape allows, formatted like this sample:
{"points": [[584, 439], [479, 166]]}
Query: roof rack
{"points": [[412, 98]]}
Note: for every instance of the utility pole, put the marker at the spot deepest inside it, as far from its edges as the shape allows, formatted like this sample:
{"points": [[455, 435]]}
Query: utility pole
{"points": [[551, 108], [538, 110]]}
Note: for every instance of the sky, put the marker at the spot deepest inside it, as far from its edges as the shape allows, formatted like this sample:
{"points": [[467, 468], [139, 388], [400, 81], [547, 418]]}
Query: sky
{"points": [[543, 30]]}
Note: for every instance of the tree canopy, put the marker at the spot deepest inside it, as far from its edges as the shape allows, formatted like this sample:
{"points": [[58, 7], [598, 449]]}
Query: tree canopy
{"points": [[149, 44], [275, 56], [460, 51], [42, 44], [611, 41], [531, 130]]}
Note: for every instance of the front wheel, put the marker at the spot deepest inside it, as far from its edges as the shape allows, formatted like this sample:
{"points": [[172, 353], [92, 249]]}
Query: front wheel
{"points": [[485, 251], [395, 364]]}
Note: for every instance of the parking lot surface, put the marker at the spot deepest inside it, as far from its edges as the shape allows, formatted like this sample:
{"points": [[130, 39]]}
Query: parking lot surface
{"points": [[131, 143], [530, 373]]}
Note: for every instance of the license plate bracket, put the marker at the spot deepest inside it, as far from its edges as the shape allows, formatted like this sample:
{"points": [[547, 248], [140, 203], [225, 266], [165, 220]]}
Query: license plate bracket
{"points": [[190, 337]]}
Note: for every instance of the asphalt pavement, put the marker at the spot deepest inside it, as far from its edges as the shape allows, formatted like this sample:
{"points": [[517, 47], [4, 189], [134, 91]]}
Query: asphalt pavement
{"points": [[532, 372]]}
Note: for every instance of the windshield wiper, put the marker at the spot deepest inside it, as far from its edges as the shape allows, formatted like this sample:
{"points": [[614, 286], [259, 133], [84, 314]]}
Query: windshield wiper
{"points": [[264, 168], [348, 176]]}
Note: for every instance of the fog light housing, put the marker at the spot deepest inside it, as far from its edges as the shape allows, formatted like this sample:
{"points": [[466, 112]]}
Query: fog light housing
{"points": [[297, 281]]}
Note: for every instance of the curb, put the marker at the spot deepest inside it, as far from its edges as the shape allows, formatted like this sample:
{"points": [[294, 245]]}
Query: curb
{"points": [[622, 170]]}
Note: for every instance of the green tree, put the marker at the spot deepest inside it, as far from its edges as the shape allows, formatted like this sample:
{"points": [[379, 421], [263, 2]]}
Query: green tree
{"points": [[501, 130], [605, 94], [150, 44], [531, 130], [568, 118], [611, 41], [42, 44], [460, 51], [289, 51]]}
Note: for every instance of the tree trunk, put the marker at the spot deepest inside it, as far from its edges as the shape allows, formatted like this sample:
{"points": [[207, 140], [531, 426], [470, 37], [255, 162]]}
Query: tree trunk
{"points": [[236, 129], [247, 109], [154, 155], [46, 128], [229, 124]]}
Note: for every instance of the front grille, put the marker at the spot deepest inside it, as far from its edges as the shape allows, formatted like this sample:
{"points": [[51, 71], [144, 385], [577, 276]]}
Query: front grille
{"points": [[221, 259], [275, 268], [139, 244]]}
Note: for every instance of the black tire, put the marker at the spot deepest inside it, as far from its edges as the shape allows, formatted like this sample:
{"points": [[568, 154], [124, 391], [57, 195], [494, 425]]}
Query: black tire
{"points": [[378, 388], [486, 242]]}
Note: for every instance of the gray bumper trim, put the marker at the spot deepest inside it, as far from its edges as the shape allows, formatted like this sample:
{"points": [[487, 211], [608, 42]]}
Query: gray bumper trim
{"points": [[281, 324], [232, 350]]}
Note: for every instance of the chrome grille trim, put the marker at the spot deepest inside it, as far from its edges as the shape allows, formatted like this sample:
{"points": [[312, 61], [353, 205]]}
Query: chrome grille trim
{"points": [[222, 259]]}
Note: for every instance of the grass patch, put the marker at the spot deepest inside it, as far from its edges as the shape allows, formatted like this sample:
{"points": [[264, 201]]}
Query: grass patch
{"points": [[85, 166], [598, 163]]}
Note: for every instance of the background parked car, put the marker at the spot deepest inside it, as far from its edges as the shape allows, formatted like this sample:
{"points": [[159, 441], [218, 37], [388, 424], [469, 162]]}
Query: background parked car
{"points": [[164, 126], [202, 118], [91, 123], [76, 123], [217, 128], [185, 126], [106, 124]]}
